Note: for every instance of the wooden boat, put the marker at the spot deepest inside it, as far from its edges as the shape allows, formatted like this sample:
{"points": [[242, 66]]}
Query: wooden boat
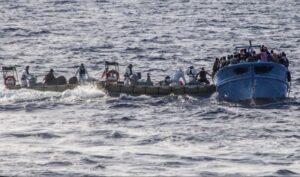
{"points": [[252, 80]]}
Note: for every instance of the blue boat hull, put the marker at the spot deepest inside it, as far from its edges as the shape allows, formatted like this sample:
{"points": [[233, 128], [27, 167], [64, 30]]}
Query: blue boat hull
{"points": [[250, 81]]}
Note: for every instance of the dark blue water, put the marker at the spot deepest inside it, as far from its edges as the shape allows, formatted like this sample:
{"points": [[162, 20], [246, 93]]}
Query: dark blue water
{"points": [[84, 132]]}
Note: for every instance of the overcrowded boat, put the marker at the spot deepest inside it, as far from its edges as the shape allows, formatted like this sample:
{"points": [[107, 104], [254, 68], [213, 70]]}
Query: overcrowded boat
{"points": [[249, 76]]}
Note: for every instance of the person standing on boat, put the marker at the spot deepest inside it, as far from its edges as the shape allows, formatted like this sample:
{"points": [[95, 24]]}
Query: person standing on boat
{"points": [[50, 78], [178, 76], [216, 66], [264, 54], [191, 72], [128, 74], [26, 78], [203, 77], [82, 73], [148, 81], [283, 60]]}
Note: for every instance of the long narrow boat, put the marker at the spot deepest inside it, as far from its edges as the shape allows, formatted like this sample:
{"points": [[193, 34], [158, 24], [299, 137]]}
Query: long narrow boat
{"points": [[117, 88], [112, 87]]}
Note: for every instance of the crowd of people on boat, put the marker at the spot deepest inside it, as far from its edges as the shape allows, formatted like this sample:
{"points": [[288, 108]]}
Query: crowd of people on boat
{"points": [[130, 77], [178, 79], [28, 79], [250, 55]]}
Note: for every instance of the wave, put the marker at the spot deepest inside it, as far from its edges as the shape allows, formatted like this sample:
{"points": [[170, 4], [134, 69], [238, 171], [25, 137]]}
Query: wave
{"points": [[285, 172], [8, 98], [43, 135], [82, 93]]}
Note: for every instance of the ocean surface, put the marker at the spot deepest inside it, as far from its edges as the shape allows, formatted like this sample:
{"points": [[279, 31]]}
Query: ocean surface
{"points": [[84, 132]]}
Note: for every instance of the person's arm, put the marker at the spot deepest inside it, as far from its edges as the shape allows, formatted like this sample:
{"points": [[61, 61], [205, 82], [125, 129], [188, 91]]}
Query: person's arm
{"points": [[183, 78], [104, 73], [197, 75], [86, 72], [76, 73], [208, 73], [27, 75]]}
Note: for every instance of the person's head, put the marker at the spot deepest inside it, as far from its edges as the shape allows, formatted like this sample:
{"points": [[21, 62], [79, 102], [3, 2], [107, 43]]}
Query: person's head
{"points": [[217, 59], [191, 67], [130, 65], [51, 71], [27, 68], [167, 78], [283, 54], [82, 65], [272, 51], [202, 68]]}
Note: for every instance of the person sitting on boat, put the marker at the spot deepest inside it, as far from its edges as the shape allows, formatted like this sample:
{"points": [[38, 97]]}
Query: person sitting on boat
{"points": [[82, 73], [216, 66], [179, 78], [166, 82], [191, 72], [233, 61], [263, 54], [252, 57], [283, 60], [128, 74], [50, 78], [223, 62], [203, 77], [27, 78], [274, 56], [110, 75], [148, 81]]}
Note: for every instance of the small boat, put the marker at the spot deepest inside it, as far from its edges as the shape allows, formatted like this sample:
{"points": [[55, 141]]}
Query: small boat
{"points": [[252, 80], [112, 85]]}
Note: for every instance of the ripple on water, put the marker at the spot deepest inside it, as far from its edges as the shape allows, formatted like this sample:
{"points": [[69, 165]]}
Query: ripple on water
{"points": [[43, 135], [58, 163], [285, 172]]}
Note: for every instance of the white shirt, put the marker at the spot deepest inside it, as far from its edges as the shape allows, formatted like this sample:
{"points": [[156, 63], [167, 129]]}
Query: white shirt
{"points": [[179, 74], [25, 75], [128, 72]]}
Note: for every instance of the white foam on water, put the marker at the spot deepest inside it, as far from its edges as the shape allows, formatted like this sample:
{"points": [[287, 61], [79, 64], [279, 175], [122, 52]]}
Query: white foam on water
{"points": [[23, 95], [85, 92]]}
